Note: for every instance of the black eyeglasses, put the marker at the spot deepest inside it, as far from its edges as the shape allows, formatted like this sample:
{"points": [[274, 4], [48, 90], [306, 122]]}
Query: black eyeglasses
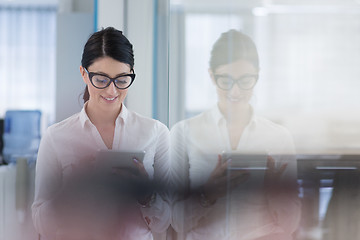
{"points": [[245, 82], [101, 81]]}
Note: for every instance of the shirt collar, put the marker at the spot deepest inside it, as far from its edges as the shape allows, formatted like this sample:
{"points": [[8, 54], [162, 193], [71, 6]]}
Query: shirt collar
{"points": [[218, 116], [85, 118], [123, 114]]}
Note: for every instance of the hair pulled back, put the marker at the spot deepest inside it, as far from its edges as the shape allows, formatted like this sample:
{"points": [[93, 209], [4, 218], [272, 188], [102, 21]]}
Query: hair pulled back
{"points": [[108, 42], [233, 46]]}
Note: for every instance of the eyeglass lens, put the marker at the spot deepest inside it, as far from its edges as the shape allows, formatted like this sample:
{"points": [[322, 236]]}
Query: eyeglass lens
{"points": [[100, 81], [245, 82]]}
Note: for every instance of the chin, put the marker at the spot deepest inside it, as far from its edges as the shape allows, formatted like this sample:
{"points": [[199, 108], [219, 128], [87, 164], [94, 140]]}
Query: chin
{"points": [[110, 106], [236, 105]]}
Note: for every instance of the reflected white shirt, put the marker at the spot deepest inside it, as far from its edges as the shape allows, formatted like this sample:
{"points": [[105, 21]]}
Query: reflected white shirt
{"points": [[77, 139], [195, 145]]}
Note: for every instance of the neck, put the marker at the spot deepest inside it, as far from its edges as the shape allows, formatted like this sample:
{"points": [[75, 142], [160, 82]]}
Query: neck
{"points": [[99, 116], [236, 114]]}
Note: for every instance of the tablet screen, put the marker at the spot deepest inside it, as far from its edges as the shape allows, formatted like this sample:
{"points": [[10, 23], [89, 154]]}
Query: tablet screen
{"points": [[251, 162], [119, 159], [254, 164]]}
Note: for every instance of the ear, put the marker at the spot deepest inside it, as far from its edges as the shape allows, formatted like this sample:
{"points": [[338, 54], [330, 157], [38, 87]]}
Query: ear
{"points": [[83, 75], [212, 76]]}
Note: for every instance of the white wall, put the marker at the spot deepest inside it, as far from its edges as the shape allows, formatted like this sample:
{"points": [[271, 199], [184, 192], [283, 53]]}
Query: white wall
{"points": [[135, 19], [70, 41], [111, 14], [140, 27]]}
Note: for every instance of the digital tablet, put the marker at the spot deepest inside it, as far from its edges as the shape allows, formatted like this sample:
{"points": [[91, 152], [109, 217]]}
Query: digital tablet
{"points": [[249, 162], [254, 164], [119, 159]]}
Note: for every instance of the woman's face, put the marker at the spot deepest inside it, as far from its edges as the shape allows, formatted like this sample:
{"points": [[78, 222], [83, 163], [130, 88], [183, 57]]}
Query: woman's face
{"points": [[109, 98], [241, 70]]}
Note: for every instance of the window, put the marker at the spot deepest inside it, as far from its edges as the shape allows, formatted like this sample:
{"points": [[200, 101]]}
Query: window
{"points": [[27, 58]]}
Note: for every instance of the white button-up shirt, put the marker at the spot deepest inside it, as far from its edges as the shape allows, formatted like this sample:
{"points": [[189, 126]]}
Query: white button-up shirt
{"points": [[77, 139], [195, 145]]}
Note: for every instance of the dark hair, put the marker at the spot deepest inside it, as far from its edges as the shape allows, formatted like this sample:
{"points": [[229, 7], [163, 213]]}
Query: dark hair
{"points": [[108, 42], [232, 46]]}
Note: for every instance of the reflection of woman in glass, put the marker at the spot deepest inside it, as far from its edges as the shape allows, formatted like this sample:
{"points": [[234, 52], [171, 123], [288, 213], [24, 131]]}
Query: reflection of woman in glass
{"points": [[208, 211], [69, 147]]}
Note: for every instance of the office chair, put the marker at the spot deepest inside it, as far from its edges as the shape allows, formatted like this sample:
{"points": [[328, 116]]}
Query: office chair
{"points": [[21, 142], [21, 135]]}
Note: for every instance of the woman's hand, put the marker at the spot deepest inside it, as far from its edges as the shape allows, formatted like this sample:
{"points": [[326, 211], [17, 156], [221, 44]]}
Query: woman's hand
{"points": [[272, 178], [147, 196], [142, 171], [138, 173], [140, 182], [217, 184]]}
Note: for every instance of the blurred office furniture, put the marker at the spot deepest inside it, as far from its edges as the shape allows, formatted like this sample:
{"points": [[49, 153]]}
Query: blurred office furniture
{"points": [[21, 188], [1, 139], [342, 219], [21, 139], [16, 195], [21, 134], [330, 193]]}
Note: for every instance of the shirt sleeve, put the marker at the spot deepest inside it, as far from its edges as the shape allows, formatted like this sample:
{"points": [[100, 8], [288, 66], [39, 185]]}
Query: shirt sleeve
{"points": [[47, 179], [186, 208], [179, 161], [158, 216]]}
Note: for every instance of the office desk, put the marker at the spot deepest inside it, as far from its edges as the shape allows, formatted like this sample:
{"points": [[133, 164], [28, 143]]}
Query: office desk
{"points": [[15, 226], [330, 190]]}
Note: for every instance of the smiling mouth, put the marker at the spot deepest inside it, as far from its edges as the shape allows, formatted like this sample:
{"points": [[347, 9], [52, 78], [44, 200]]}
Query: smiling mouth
{"points": [[235, 99], [109, 99]]}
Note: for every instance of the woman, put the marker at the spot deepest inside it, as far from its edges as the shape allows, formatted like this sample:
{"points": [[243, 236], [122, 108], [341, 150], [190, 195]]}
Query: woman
{"points": [[230, 205], [69, 148]]}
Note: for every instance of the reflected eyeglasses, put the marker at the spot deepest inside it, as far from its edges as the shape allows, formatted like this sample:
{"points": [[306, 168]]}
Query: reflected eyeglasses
{"points": [[245, 82], [101, 81]]}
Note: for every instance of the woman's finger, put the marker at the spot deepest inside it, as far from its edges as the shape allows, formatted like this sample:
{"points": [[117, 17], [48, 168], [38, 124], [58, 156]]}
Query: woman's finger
{"points": [[282, 169], [220, 163], [218, 169], [140, 167], [224, 165], [270, 163]]}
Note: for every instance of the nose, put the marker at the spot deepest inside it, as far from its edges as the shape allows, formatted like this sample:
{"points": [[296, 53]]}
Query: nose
{"points": [[111, 89], [235, 90]]}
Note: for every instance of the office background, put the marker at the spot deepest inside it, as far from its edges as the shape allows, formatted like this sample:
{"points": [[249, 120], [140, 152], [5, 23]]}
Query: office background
{"points": [[309, 54], [309, 57]]}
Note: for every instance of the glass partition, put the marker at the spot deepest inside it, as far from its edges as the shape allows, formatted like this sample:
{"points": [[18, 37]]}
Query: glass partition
{"points": [[308, 65], [302, 111]]}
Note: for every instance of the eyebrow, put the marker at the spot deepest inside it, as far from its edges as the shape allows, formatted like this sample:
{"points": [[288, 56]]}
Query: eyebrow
{"points": [[116, 76], [227, 75]]}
